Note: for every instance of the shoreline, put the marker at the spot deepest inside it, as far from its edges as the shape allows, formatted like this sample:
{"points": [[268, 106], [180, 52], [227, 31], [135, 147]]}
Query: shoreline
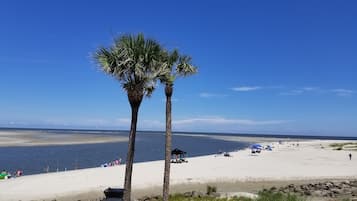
{"points": [[287, 162]]}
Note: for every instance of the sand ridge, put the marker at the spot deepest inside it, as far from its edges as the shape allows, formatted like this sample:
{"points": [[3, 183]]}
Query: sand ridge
{"points": [[37, 138]]}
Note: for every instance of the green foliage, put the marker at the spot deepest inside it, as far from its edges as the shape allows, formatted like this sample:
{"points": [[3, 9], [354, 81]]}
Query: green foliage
{"points": [[271, 196], [335, 145], [211, 189], [346, 145]]}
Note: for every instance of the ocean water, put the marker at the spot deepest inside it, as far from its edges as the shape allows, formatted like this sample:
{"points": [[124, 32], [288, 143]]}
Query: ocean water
{"points": [[149, 147]]}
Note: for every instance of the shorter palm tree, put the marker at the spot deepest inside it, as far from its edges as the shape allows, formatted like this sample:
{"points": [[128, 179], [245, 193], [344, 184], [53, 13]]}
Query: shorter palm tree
{"points": [[177, 66]]}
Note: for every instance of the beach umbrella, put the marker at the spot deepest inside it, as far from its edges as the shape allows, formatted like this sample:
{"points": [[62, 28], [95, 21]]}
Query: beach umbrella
{"points": [[256, 146], [177, 152]]}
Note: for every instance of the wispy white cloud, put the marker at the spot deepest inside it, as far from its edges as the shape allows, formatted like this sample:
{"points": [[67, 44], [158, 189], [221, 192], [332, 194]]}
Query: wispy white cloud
{"points": [[294, 92], [311, 88], [286, 91], [246, 88], [343, 92], [302, 90], [211, 95], [225, 121], [318, 90]]}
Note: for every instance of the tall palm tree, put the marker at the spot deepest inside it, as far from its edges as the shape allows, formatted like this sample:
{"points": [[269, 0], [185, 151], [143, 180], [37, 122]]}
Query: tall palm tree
{"points": [[136, 63], [177, 66]]}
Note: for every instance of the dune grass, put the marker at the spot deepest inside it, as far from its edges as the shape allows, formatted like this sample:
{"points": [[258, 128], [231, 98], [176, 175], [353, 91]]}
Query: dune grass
{"points": [[270, 196], [344, 146]]}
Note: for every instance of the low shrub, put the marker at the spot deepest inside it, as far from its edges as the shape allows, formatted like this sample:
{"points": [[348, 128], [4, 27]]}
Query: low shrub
{"points": [[272, 196], [211, 189]]}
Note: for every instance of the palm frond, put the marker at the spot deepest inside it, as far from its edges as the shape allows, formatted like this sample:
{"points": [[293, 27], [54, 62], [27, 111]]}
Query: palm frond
{"points": [[184, 66]]}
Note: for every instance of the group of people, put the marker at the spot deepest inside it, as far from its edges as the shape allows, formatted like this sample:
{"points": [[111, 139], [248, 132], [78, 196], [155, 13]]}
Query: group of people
{"points": [[111, 163], [8, 175]]}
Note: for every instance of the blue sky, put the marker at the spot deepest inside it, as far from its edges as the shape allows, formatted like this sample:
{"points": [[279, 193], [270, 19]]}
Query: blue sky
{"points": [[286, 67]]}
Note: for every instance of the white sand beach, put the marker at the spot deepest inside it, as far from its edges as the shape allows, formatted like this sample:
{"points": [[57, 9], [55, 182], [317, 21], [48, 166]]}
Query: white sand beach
{"points": [[286, 162]]}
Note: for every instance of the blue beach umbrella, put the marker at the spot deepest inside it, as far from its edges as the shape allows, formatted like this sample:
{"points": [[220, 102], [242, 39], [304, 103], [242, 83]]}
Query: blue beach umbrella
{"points": [[256, 146]]}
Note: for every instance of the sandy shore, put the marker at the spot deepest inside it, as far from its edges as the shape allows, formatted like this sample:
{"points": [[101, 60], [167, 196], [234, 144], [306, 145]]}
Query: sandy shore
{"points": [[37, 138], [286, 162], [240, 138]]}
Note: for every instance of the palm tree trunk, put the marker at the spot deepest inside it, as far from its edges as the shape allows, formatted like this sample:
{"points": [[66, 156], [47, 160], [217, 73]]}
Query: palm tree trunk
{"points": [[131, 148], [166, 188]]}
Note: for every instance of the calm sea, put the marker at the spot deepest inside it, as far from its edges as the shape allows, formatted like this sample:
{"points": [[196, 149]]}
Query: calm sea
{"points": [[149, 147]]}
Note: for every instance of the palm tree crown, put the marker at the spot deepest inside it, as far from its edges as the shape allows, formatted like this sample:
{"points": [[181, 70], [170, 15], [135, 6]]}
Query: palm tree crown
{"points": [[134, 61], [176, 66]]}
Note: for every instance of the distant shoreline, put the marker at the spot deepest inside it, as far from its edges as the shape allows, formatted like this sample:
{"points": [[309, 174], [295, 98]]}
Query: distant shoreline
{"points": [[22, 137], [265, 135]]}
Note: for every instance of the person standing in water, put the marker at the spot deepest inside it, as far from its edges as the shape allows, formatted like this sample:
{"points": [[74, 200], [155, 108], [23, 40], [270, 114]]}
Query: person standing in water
{"points": [[350, 155]]}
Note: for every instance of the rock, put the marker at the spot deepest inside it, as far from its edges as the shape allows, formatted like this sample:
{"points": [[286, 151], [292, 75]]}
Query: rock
{"points": [[188, 194], [197, 194], [146, 198], [317, 193], [215, 195], [345, 186], [325, 193], [354, 191], [295, 190], [346, 182], [336, 191], [239, 194], [329, 184], [273, 188], [307, 193]]}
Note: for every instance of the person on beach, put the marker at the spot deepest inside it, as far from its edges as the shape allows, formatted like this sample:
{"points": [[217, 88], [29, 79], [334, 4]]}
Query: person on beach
{"points": [[19, 173], [350, 155]]}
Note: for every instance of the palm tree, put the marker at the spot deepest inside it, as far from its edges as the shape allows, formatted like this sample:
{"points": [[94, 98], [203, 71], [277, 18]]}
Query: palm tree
{"points": [[136, 63], [177, 66]]}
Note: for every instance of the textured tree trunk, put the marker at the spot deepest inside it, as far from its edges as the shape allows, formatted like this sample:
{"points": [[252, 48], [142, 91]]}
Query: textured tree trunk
{"points": [[135, 100], [166, 188]]}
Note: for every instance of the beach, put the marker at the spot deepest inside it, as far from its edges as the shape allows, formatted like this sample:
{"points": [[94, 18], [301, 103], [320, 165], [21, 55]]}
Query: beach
{"points": [[310, 160]]}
